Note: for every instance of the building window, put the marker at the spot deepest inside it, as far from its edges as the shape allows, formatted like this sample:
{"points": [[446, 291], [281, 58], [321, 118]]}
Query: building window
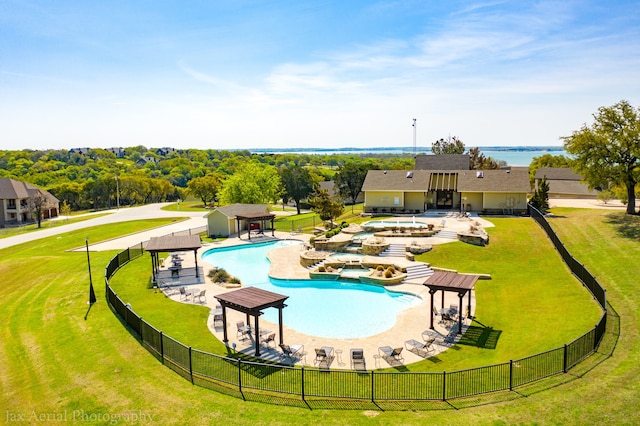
{"points": [[11, 204]]}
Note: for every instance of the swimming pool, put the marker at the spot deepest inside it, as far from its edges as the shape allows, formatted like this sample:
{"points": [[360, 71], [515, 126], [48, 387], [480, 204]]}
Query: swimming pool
{"points": [[332, 309]]}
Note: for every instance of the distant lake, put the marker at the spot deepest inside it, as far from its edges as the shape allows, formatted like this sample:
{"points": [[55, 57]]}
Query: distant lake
{"points": [[514, 156]]}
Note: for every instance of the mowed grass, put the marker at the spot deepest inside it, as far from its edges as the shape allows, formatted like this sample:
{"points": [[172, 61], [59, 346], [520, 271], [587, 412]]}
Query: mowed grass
{"points": [[55, 362]]}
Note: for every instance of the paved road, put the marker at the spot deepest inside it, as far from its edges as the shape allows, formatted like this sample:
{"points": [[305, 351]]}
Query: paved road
{"points": [[150, 211]]}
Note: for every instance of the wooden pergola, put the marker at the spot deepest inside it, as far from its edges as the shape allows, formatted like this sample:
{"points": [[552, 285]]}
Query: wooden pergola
{"points": [[251, 301], [172, 243], [450, 281], [252, 218]]}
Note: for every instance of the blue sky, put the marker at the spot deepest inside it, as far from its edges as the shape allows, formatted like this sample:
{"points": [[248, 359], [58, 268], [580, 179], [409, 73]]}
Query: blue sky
{"points": [[251, 74]]}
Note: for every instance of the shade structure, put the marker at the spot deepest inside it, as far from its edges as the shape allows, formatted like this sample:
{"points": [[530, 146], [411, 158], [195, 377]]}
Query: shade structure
{"points": [[251, 301], [172, 243], [450, 281]]}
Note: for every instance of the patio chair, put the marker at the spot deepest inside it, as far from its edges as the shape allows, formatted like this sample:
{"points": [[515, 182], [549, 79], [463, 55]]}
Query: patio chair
{"points": [[419, 348], [200, 296], [242, 331], [271, 338], [291, 352], [357, 360], [185, 294], [217, 317], [324, 356]]}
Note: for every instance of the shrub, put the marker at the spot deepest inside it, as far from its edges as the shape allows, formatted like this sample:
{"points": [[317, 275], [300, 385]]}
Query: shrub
{"points": [[388, 273], [219, 275], [379, 268], [322, 269]]}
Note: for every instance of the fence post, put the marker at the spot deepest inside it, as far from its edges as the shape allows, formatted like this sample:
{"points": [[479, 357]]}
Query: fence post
{"points": [[190, 365], [372, 386], [302, 380], [162, 346], [510, 374], [564, 361], [444, 385], [240, 377]]}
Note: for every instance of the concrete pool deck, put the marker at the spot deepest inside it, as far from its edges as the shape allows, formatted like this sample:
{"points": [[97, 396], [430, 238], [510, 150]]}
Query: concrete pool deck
{"points": [[285, 264]]}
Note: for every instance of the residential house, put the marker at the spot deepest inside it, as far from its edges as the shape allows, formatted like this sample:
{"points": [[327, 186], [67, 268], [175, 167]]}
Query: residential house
{"points": [[17, 202], [564, 183]]}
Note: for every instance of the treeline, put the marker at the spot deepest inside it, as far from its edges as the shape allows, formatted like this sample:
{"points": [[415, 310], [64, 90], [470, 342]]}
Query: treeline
{"points": [[100, 178]]}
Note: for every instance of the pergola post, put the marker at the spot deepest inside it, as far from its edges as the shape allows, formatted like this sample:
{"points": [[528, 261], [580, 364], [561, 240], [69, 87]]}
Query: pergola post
{"points": [[431, 293], [257, 327], [460, 296], [280, 324], [225, 338]]}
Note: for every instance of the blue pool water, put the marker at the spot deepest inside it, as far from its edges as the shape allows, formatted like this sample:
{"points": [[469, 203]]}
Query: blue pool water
{"points": [[332, 309]]}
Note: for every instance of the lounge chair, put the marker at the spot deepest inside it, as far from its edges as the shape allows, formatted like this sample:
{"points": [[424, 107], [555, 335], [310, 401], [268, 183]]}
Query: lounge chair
{"points": [[324, 356], [243, 331], [357, 360], [271, 338], [421, 349], [292, 351], [391, 355]]}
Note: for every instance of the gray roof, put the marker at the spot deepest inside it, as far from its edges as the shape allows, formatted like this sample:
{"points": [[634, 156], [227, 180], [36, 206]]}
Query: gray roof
{"points": [[174, 243], [557, 173], [442, 162], [396, 180], [11, 189], [515, 179], [233, 210], [569, 187]]}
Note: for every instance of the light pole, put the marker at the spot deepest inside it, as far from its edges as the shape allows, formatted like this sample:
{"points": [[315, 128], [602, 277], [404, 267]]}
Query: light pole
{"points": [[415, 126], [92, 294], [117, 192]]}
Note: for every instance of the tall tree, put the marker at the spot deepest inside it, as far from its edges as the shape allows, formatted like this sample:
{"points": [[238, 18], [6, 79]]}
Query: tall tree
{"points": [[40, 204], [608, 151], [540, 199], [298, 184], [452, 145], [477, 161], [252, 183], [349, 180], [206, 187]]}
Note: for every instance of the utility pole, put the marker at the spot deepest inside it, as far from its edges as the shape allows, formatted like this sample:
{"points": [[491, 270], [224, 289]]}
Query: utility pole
{"points": [[415, 126]]}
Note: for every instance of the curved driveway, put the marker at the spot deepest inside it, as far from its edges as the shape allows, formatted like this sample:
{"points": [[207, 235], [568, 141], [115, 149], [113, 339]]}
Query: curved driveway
{"points": [[150, 211]]}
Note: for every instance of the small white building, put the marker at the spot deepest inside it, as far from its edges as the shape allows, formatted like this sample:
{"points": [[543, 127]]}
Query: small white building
{"points": [[222, 221]]}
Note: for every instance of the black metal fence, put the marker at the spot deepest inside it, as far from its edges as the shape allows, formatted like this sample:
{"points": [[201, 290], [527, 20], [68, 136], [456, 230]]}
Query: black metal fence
{"points": [[234, 376]]}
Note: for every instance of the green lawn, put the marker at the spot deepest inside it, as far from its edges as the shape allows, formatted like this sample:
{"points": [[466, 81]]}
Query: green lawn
{"points": [[57, 362], [10, 232]]}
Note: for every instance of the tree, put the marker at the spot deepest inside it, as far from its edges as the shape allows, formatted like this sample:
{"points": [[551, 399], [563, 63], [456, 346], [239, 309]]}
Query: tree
{"points": [[477, 161], [349, 180], [326, 208], [452, 145], [252, 183], [298, 184], [40, 204], [540, 199], [608, 152], [206, 187]]}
